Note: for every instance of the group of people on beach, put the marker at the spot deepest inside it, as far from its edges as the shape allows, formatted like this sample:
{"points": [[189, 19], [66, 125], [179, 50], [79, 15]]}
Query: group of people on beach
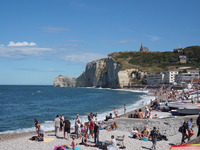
{"points": [[83, 130], [187, 131]]}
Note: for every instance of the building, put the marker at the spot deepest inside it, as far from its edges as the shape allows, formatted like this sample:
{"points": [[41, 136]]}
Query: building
{"points": [[170, 76], [154, 79], [144, 49], [182, 59], [184, 77], [193, 71]]}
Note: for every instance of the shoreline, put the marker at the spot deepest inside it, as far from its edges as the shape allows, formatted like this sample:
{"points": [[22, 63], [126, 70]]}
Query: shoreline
{"points": [[84, 117], [167, 126]]}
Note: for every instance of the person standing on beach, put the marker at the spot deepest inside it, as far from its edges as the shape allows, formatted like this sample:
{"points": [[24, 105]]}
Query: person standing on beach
{"points": [[146, 112], [76, 122], [190, 131], [66, 127], [36, 123], [115, 112], [184, 134], [96, 133], [57, 125], [124, 108], [198, 125], [154, 135], [91, 128], [140, 114]]}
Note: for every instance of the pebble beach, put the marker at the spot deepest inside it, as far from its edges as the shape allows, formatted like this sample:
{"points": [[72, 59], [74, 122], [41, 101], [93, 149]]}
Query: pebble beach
{"points": [[167, 124]]}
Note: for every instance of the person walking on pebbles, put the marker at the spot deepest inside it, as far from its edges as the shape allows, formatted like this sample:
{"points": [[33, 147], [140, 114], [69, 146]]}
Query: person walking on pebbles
{"points": [[154, 135], [57, 125]]}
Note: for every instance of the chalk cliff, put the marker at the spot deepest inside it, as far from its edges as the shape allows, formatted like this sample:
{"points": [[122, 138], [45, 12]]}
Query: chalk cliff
{"points": [[95, 74], [62, 81], [106, 73]]}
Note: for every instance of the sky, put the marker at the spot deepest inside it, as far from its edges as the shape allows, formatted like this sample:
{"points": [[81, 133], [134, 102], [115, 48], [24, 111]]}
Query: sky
{"points": [[41, 39]]}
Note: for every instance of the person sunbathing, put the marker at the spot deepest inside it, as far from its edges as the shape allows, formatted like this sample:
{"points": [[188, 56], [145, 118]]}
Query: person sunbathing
{"points": [[113, 126], [135, 133], [146, 132], [72, 146], [102, 126], [85, 142]]}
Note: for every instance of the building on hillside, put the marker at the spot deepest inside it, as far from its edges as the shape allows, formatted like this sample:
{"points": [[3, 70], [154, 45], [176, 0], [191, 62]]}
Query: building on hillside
{"points": [[185, 77], [170, 76], [193, 71], [154, 79], [144, 49], [183, 59]]}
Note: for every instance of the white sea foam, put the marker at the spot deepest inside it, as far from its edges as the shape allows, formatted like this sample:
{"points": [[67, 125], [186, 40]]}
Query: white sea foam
{"points": [[48, 125]]}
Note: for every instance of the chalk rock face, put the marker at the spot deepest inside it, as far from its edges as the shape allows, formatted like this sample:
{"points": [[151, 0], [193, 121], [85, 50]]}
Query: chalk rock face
{"points": [[105, 73], [95, 74], [62, 81], [113, 69], [125, 77]]}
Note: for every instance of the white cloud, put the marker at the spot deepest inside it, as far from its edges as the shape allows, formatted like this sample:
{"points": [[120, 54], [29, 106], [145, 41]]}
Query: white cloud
{"points": [[121, 41], [11, 43], [39, 70], [83, 57], [2, 45], [50, 29], [21, 50]]}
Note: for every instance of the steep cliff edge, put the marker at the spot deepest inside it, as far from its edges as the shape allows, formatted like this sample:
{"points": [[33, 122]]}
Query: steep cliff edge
{"points": [[106, 73], [95, 74]]}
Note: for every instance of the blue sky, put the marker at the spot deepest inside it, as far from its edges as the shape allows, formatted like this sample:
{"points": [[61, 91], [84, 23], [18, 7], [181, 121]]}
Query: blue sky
{"points": [[41, 39]]}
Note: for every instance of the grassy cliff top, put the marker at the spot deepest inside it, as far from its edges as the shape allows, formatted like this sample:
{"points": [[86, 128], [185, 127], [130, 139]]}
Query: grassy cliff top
{"points": [[155, 62]]}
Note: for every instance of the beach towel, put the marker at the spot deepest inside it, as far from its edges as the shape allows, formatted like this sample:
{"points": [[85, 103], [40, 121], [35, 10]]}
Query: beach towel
{"points": [[45, 140], [145, 139], [77, 148], [60, 147]]}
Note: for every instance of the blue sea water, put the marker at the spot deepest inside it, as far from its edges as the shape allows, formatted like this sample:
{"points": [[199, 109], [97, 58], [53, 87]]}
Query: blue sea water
{"points": [[20, 105]]}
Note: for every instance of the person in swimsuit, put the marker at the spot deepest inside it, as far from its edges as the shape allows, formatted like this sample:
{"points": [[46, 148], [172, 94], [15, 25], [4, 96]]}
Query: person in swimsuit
{"points": [[85, 142], [72, 146], [113, 126], [115, 112]]}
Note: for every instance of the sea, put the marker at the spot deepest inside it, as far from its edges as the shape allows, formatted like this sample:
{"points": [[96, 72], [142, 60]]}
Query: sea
{"points": [[21, 104]]}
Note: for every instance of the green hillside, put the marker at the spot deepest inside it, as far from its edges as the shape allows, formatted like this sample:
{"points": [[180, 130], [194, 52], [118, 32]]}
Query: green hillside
{"points": [[156, 62]]}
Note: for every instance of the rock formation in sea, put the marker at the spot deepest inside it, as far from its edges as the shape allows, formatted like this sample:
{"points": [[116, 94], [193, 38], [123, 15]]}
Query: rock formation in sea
{"points": [[106, 73], [62, 81]]}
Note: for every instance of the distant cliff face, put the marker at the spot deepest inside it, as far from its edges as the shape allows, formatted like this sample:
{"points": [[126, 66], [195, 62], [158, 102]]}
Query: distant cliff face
{"points": [[61, 81], [104, 73], [94, 75]]}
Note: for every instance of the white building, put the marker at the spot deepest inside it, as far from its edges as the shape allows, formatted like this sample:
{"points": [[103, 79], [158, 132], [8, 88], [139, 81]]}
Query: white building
{"points": [[182, 77], [153, 79], [170, 76]]}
